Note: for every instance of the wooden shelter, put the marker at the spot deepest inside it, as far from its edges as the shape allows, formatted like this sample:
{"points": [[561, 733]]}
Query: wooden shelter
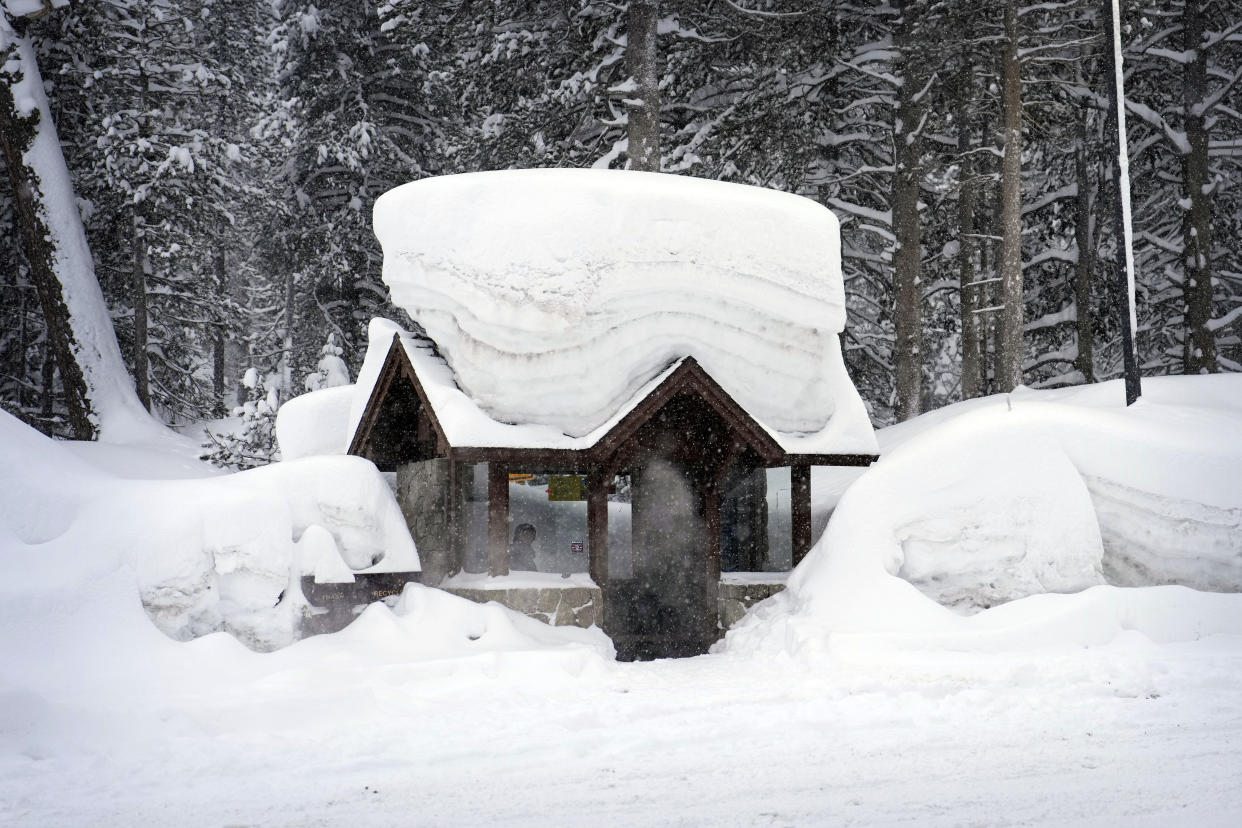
{"points": [[680, 441]]}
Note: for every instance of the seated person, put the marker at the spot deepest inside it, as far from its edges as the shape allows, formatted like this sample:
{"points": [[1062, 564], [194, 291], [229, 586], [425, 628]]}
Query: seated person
{"points": [[522, 550]]}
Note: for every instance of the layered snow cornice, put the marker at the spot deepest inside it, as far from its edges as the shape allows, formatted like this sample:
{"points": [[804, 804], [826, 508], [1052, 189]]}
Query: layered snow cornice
{"points": [[555, 295]]}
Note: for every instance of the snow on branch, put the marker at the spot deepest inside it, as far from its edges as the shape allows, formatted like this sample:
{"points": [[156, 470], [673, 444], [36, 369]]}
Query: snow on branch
{"points": [[671, 25], [1216, 37], [1226, 320], [1207, 104], [758, 13], [1068, 191], [884, 217], [887, 77], [1052, 254], [1182, 56], [1155, 119]]}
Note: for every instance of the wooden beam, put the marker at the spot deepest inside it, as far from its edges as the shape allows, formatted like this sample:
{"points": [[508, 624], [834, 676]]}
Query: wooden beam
{"points": [[497, 519], [561, 461], [826, 460], [800, 509], [456, 518], [711, 506], [597, 527]]}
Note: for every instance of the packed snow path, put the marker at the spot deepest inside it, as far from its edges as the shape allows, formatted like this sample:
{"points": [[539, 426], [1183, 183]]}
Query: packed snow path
{"points": [[1126, 733]]}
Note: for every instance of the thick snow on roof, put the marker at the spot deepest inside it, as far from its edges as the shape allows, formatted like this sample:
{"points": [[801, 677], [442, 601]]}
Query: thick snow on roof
{"points": [[556, 295]]}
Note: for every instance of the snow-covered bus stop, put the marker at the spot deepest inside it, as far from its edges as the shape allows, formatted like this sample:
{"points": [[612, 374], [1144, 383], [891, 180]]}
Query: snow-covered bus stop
{"points": [[647, 345]]}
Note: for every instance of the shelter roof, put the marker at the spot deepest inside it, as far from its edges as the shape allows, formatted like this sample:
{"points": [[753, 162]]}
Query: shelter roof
{"points": [[464, 430]]}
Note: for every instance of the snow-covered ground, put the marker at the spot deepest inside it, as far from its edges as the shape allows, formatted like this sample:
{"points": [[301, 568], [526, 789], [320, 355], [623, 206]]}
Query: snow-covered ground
{"points": [[852, 698]]}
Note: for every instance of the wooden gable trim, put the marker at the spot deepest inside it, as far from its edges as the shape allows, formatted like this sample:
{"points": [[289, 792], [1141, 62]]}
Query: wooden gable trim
{"points": [[828, 459], [688, 376], [396, 363], [370, 413]]}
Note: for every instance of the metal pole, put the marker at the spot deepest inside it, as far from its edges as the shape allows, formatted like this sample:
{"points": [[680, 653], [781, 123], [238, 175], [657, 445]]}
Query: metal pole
{"points": [[1123, 231]]}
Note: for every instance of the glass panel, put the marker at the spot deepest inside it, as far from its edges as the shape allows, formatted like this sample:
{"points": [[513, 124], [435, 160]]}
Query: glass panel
{"points": [[559, 542], [780, 536], [620, 530]]}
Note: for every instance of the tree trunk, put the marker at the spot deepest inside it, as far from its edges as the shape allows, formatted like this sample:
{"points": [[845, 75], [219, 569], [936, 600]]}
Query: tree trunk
{"points": [[49, 385], [23, 343], [79, 329], [141, 368], [1012, 316], [972, 366], [1200, 346], [907, 228], [1121, 204], [641, 60], [1083, 269], [218, 339], [987, 265], [286, 362]]}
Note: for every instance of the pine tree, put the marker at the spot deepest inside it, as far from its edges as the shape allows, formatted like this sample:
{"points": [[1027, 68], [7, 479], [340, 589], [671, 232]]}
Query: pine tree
{"points": [[253, 443], [331, 370]]}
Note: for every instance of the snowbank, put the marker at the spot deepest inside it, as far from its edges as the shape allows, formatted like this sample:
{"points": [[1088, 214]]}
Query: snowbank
{"points": [[974, 514], [1005, 499], [88, 560], [214, 553], [1162, 474], [555, 295], [316, 423], [427, 624]]}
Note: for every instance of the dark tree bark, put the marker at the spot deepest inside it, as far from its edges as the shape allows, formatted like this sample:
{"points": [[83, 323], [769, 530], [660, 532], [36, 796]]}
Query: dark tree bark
{"points": [[287, 361], [49, 385], [1012, 314], [642, 61], [1200, 346], [218, 338], [907, 226], [141, 369], [972, 364], [987, 332]]}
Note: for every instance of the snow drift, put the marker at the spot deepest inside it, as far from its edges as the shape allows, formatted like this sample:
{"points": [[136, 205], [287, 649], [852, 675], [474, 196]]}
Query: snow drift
{"points": [[215, 553], [1000, 501], [1162, 475], [554, 295], [317, 423]]}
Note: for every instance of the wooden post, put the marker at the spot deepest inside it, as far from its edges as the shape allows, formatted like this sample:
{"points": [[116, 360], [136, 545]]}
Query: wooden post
{"points": [[497, 519], [456, 518], [597, 527], [711, 515], [800, 508], [711, 507]]}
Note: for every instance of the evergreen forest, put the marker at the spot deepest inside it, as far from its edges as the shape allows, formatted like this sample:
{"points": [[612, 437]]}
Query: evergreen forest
{"points": [[225, 156]]}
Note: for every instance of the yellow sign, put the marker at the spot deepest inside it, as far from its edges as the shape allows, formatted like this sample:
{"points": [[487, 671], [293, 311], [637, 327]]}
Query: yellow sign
{"points": [[520, 478], [566, 487]]}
